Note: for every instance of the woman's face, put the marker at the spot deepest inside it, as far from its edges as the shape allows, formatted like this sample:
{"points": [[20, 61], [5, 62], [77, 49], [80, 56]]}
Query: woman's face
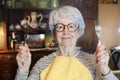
{"points": [[66, 37]]}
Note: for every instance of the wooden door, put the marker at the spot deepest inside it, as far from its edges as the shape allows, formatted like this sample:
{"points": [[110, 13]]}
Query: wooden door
{"points": [[89, 8]]}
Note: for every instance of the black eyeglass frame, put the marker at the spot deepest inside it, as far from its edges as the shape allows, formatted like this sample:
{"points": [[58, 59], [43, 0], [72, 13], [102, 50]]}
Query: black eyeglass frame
{"points": [[67, 27]]}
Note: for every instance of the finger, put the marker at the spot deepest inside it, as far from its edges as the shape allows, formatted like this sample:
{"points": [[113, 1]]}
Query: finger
{"points": [[101, 57], [100, 50], [107, 53], [28, 57], [21, 47], [101, 47], [18, 56], [101, 64], [99, 53], [21, 57], [25, 49], [102, 54], [19, 61], [103, 60]]}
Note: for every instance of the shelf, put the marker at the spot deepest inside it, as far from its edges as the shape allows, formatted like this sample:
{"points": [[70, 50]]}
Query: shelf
{"points": [[32, 50], [29, 9], [29, 30]]}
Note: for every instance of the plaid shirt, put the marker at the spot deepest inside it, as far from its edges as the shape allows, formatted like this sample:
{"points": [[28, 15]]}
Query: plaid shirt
{"points": [[86, 58]]}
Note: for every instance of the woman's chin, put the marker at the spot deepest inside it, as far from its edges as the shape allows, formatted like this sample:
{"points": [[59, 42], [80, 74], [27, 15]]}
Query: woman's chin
{"points": [[66, 44]]}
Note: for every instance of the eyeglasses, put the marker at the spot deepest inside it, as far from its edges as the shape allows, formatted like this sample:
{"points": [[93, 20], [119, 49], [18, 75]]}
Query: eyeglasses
{"points": [[71, 27]]}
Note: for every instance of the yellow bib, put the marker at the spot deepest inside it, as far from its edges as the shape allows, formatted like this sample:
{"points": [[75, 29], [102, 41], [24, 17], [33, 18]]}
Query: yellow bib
{"points": [[66, 68]]}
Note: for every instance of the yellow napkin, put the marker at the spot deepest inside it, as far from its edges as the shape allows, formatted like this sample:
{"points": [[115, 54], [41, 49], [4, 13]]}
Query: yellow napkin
{"points": [[66, 68]]}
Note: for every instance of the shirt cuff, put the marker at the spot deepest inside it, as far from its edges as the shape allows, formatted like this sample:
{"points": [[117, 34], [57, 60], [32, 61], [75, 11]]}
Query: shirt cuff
{"points": [[110, 76], [21, 75]]}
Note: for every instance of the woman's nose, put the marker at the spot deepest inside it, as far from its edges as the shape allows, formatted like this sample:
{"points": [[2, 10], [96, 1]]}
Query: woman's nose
{"points": [[65, 31]]}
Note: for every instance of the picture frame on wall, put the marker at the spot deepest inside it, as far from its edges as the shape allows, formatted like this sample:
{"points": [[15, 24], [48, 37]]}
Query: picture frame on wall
{"points": [[2, 32], [108, 1], [36, 40]]}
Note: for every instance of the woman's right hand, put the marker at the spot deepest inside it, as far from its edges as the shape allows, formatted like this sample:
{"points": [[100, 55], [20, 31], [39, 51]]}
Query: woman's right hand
{"points": [[23, 59]]}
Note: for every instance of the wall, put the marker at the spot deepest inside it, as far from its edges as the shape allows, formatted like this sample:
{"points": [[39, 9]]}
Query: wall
{"points": [[109, 17]]}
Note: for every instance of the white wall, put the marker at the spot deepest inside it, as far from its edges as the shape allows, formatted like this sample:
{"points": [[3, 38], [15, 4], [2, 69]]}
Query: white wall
{"points": [[109, 17]]}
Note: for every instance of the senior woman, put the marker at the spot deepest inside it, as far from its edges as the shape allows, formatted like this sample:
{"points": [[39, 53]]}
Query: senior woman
{"points": [[67, 62]]}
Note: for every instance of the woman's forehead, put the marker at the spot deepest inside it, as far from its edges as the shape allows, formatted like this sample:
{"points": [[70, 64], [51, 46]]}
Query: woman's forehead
{"points": [[65, 20]]}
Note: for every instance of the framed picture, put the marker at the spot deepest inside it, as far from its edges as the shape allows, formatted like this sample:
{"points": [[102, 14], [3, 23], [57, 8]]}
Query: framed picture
{"points": [[2, 32], [108, 1], [36, 40]]}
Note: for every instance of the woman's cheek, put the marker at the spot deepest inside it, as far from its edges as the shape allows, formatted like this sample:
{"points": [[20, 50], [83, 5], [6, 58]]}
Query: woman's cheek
{"points": [[58, 38]]}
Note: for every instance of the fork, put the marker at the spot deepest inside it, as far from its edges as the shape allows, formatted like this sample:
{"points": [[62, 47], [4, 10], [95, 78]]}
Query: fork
{"points": [[98, 32]]}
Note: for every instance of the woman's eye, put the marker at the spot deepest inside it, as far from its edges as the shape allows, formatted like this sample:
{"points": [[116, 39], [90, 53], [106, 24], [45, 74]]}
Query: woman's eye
{"points": [[60, 26], [71, 26]]}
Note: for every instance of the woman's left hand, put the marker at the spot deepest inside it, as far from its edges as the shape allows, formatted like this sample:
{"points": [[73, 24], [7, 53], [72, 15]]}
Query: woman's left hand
{"points": [[102, 59]]}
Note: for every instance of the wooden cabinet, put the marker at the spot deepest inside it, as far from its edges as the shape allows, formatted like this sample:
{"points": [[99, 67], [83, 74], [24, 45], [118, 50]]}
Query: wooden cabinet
{"points": [[14, 16], [89, 9], [8, 64]]}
